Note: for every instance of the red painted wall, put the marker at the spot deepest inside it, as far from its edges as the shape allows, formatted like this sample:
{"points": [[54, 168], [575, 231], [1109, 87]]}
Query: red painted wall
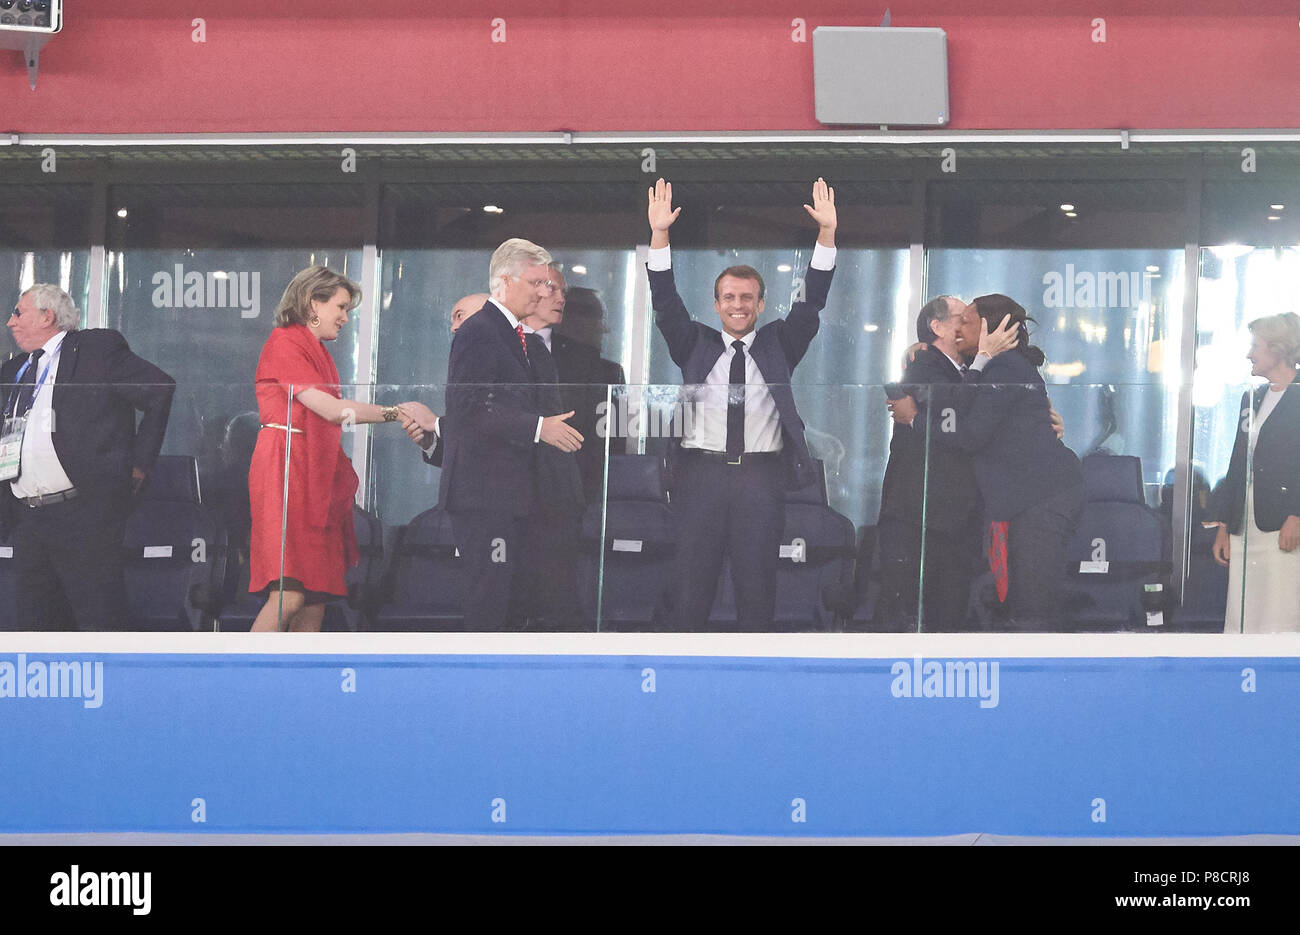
{"points": [[663, 65]]}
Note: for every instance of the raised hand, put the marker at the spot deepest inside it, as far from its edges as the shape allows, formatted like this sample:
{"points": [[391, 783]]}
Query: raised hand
{"points": [[661, 213], [822, 210], [1004, 337]]}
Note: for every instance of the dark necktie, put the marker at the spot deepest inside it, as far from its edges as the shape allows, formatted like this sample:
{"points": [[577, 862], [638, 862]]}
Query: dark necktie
{"points": [[736, 403], [28, 384]]}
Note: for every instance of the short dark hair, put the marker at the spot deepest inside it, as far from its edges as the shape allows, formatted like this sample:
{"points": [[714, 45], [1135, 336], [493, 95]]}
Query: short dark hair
{"points": [[931, 311], [740, 272]]}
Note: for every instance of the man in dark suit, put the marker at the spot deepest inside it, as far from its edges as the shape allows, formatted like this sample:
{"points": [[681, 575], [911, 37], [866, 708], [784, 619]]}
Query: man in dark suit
{"points": [[585, 377], [746, 442], [495, 424], [548, 595], [82, 457], [925, 479]]}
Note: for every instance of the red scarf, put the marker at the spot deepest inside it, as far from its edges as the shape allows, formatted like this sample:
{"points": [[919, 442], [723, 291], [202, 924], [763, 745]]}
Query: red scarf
{"points": [[998, 556]]}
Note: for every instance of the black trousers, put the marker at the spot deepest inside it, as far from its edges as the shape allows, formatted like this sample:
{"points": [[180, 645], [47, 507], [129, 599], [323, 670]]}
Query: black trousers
{"points": [[68, 558], [1036, 575], [950, 557], [730, 510], [546, 591], [493, 548]]}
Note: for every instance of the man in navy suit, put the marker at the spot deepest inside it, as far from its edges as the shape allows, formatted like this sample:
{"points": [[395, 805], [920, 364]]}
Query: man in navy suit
{"points": [[549, 596], [497, 419], [926, 479], [82, 457], [745, 444]]}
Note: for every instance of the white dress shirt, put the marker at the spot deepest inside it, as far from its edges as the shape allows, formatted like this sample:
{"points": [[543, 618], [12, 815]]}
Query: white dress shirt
{"points": [[706, 421], [42, 472], [543, 333], [514, 323]]}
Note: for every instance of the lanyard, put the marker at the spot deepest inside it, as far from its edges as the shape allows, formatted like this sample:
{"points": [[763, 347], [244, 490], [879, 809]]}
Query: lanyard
{"points": [[39, 383]]}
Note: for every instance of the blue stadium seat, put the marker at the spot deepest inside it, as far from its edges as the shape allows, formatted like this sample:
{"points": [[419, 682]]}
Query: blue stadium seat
{"points": [[1205, 595], [1119, 557], [8, 583], [175, 551], [424, 585], [640, 540], [363, 578]]}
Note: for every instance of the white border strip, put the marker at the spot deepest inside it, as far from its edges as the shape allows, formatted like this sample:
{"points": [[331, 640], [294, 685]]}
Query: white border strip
{"points": [[751, 645], [889, 137]]}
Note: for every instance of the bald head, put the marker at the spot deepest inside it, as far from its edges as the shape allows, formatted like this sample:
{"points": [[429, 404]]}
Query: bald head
{"points": [[462, 310]]}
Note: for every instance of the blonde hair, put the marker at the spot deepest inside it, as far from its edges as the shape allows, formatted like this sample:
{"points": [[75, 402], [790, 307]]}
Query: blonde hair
{"points": [[1281, 333], [315, 282]]}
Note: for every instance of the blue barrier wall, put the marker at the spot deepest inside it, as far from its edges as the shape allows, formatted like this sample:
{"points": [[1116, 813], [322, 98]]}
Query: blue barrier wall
{"points": [[843, 740]]}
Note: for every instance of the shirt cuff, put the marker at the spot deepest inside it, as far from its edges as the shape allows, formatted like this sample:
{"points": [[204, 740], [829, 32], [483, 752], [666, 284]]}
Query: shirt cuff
{"points": [[660, 259], [823, 257], [437, 426], [980, 362], [537, 436]]}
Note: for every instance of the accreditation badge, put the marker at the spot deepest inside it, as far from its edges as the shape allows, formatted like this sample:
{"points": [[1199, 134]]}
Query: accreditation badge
{"points": [[11, 447]]}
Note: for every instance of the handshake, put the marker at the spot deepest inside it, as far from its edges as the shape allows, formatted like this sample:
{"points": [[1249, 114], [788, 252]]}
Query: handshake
{"points": [[418, 420]]}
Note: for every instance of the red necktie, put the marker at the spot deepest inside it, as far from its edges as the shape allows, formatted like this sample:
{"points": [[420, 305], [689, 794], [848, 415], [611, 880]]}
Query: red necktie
{"points": [[523, 342], [998, 556]]}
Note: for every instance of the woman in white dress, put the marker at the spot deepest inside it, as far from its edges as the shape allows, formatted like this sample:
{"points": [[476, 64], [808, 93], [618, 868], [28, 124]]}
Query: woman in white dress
{"points": [[1258, 507]]}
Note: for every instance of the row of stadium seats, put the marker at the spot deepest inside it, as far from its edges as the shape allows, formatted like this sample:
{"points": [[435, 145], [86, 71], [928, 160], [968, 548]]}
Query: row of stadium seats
{"points": [[183, 574]]}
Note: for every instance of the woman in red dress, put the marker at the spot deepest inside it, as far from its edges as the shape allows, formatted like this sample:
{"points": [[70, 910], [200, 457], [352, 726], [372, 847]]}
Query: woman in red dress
{"points": [[299, 556]]}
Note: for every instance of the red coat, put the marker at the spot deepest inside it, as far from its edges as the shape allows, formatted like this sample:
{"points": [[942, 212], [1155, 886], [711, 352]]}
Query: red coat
{"points": [[319, 539]]}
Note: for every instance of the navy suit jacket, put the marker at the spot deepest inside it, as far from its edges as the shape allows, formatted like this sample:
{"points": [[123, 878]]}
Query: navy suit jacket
{"points": [[558, 476], [1276, 465], [100, 387], [778, 347], [1005, 424], [584, 377], [949, 488], [487, 448]]}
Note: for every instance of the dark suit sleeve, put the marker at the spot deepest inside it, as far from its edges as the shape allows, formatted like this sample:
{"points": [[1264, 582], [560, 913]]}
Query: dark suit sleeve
{"points": [[671, 317], [987, 406], [148, 389], [433, 455], [475, 399], [1233, 490], [800, 326]]}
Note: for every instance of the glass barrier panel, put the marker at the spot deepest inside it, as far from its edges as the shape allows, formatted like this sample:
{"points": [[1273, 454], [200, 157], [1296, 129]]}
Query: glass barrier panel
{"points": [[1059, 543], [1243, 441], [503, 530]]}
